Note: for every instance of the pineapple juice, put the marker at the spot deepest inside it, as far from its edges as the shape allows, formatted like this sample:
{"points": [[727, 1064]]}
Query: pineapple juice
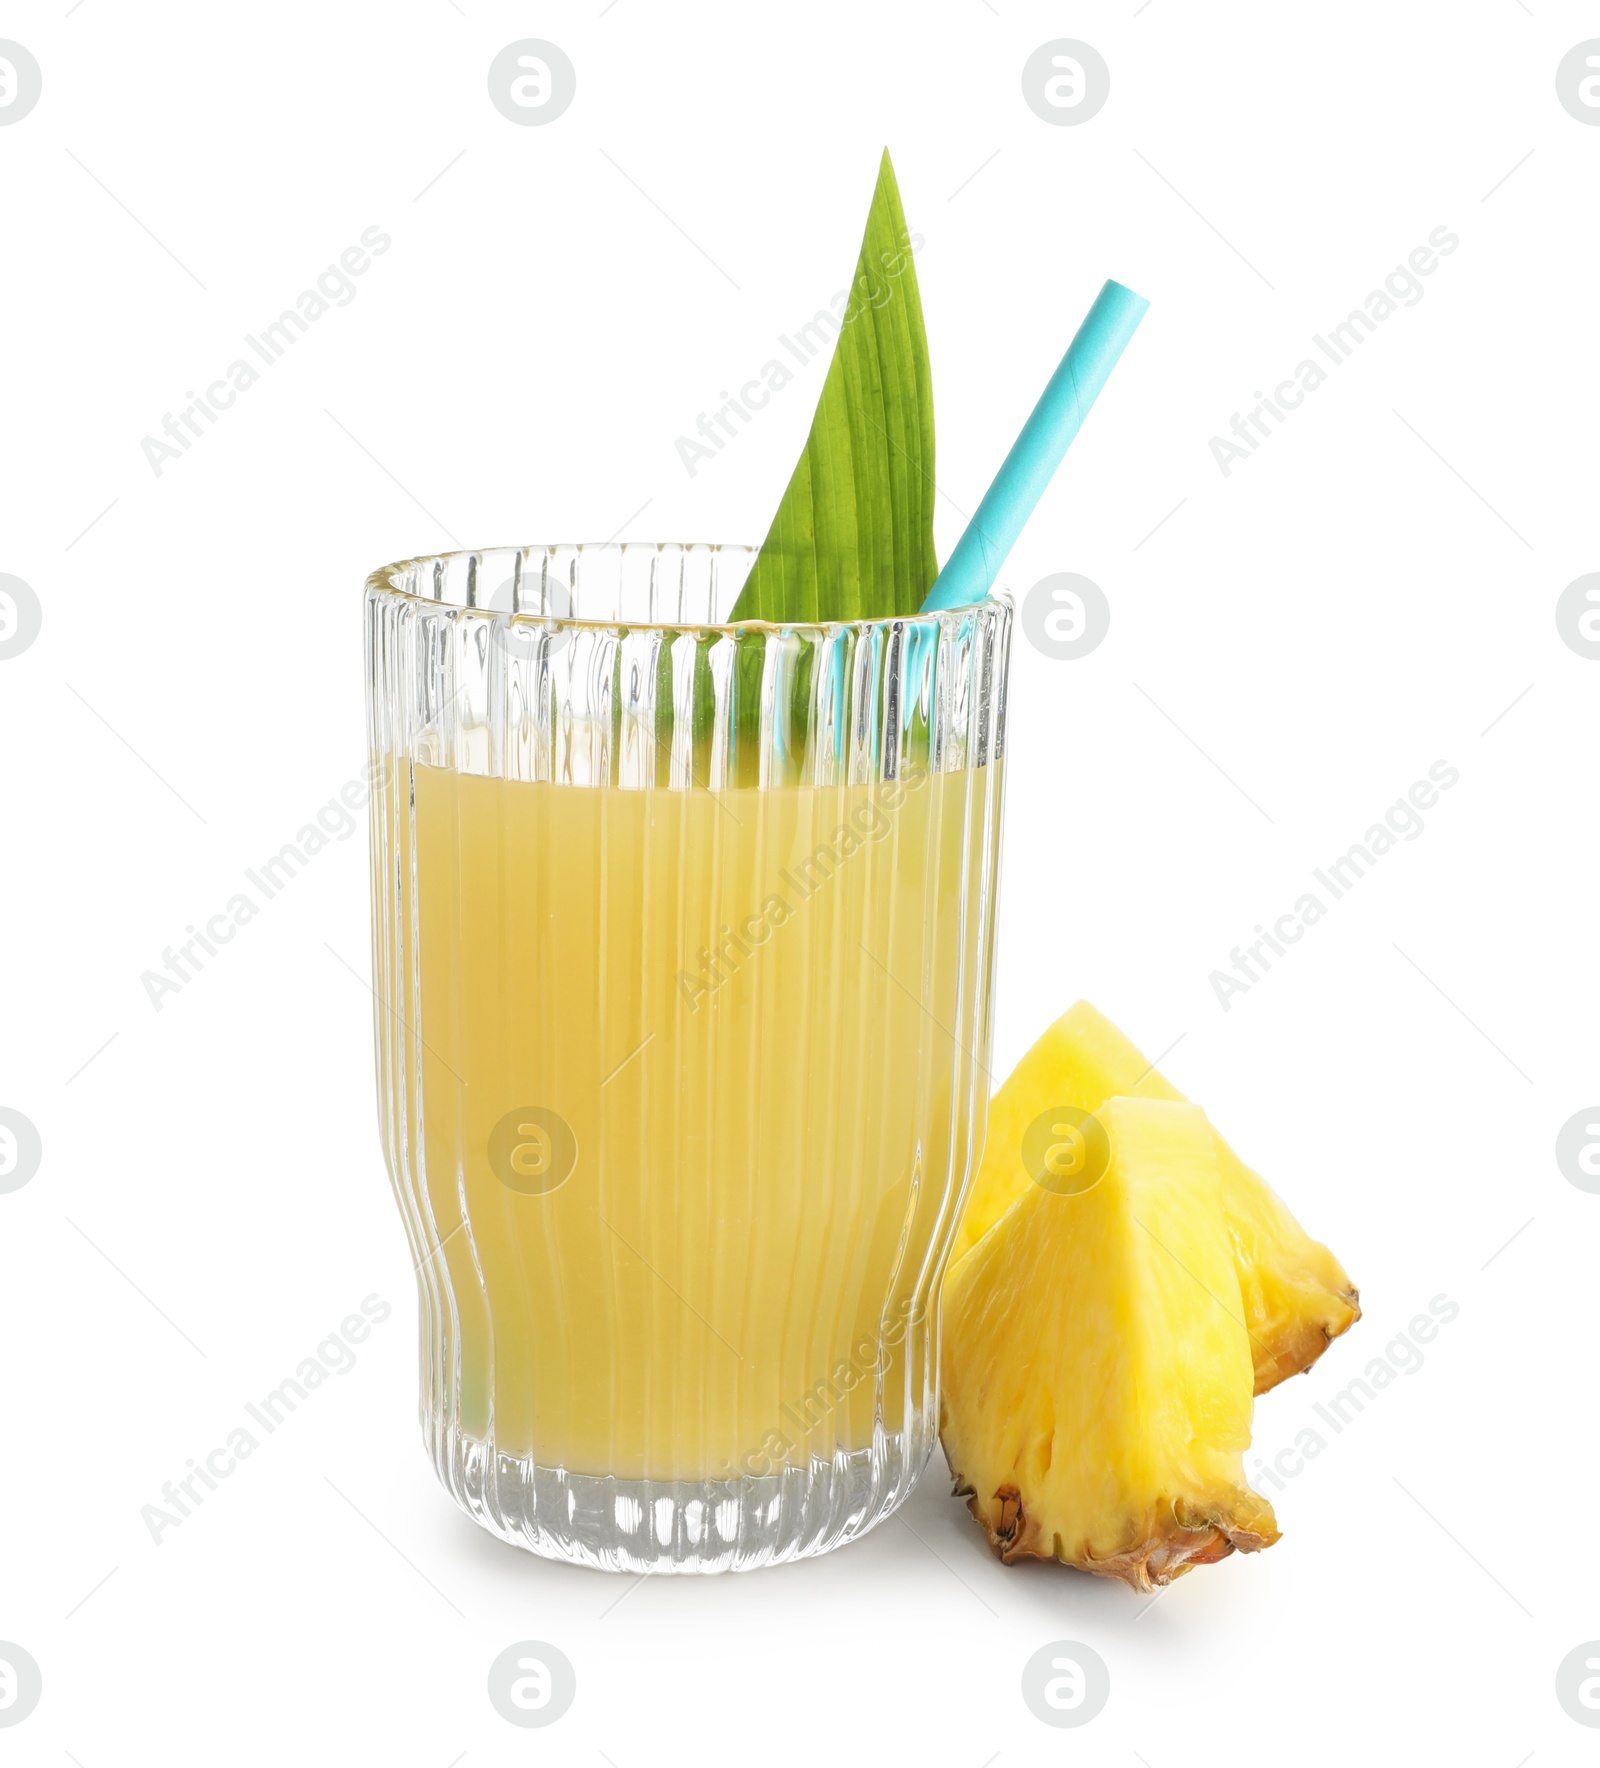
{"points": [[690, 1138]]}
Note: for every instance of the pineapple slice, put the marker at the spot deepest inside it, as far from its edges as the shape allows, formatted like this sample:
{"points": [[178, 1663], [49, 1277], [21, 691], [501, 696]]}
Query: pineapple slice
{"points": [[1297, 1298], [1095, 1366]]}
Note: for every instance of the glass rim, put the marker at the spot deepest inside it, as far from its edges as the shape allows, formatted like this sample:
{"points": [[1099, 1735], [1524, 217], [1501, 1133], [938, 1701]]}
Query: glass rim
{"points": [[384, 582]]}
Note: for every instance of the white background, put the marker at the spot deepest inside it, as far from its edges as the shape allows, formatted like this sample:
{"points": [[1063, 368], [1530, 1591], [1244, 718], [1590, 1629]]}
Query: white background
{"points": [[1289, 650]]}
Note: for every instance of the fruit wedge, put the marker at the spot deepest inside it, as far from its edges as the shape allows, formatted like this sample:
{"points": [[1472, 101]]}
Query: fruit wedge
{"points": [[1297, 1298], [1096, 1370]]}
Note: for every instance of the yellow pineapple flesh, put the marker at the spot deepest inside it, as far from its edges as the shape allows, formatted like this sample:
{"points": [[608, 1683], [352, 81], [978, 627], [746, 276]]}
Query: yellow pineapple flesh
{"points": [[1296, 1296], [1096, 1371]]}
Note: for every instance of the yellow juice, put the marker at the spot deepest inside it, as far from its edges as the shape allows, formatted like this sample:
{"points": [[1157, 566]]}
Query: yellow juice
{"points": [[747, 1007]]}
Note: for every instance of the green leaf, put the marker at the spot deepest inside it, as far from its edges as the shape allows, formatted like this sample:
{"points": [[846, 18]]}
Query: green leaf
{"points": [[853, 536]]}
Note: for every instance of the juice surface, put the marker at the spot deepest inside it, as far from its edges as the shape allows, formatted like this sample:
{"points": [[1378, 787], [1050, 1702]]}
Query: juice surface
{"points": [[752, 1009]]}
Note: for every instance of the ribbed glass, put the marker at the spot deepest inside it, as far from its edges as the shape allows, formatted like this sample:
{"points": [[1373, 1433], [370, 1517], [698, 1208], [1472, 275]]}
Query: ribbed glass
{"points": [[683, 945]]}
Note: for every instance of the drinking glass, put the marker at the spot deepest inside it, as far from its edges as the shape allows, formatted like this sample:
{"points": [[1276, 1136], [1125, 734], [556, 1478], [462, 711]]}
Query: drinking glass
{"points": [[683, 951]]}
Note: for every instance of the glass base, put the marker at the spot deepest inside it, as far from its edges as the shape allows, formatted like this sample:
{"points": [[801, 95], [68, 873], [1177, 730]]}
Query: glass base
{"points": [[732, 1525]]}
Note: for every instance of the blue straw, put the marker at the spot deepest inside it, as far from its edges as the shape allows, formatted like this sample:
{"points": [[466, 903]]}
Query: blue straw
{"points": [[971, 569]]}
